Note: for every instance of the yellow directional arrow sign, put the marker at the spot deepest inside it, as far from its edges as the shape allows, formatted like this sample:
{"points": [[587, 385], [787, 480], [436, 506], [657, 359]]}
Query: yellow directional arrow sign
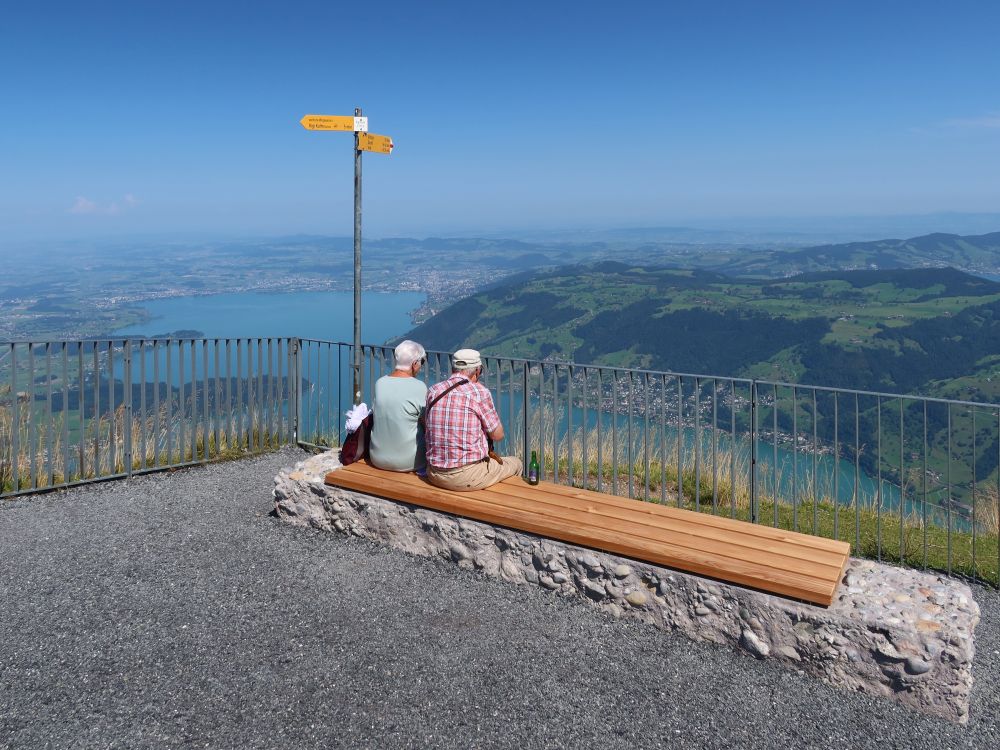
{"points": [[379, 144], [335, 122]]}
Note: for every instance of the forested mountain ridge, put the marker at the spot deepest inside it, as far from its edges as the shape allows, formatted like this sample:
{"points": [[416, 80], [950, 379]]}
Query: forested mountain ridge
{"points": [[977, 253], [934, 331]]}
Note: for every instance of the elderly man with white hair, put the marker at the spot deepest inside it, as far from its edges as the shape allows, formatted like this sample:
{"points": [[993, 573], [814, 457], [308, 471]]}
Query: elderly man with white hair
{"points": [[397, 441], [461, 418]]}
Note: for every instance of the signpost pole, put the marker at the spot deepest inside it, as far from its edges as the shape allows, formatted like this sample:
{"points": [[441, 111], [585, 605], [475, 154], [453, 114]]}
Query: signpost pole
{"points": [[363, 141], [358, 374]]}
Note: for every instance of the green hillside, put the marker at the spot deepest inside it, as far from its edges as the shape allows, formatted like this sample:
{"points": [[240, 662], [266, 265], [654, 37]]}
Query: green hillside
{"points": [[975, 253], [910, 330]]}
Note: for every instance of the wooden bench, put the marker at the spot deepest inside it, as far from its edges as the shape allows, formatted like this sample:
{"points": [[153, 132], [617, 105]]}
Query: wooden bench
{"points": [[773, 560]]}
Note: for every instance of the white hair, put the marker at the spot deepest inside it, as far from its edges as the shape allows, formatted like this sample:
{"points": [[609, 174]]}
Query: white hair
{"points": [[406, 353], [467, 371]]}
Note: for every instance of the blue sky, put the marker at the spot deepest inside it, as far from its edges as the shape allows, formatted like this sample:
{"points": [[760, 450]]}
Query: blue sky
{"points": [[183, 117]]}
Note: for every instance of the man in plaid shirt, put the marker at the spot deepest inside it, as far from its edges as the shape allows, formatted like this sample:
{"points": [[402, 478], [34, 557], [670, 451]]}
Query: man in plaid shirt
{"points": [[457, 426]]}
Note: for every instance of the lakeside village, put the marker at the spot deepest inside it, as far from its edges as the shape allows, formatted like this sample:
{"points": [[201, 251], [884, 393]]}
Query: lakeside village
{"points": [[709, 410], [31, 314], [706, 409]]}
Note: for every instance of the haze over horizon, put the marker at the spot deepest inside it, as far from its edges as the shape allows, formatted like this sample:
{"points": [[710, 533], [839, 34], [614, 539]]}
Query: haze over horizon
{"points": [[127, 119]]}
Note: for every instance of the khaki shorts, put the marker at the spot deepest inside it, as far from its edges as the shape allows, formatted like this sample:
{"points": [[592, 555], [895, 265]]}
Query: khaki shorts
{"points": [[475, 476]]}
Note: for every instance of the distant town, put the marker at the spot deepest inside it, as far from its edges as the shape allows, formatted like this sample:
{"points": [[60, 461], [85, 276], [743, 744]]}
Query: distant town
{"points": [[85, 289]]}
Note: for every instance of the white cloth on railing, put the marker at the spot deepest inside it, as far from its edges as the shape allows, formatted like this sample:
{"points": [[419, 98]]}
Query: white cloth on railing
{"points": [[356, 416]]}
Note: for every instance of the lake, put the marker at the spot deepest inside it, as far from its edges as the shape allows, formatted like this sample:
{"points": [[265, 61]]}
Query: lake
{"points": [[329, 316], [325, 316]]}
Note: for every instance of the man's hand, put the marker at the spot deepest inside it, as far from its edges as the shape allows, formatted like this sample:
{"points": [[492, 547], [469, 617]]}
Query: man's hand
{"points": [[495, 437]]}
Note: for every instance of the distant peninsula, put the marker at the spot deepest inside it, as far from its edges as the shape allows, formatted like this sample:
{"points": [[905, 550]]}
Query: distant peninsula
{"points": [[184, 333]]}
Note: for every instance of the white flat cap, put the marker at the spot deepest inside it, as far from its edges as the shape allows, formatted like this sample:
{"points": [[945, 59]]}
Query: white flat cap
{"points": [[465, 358]]}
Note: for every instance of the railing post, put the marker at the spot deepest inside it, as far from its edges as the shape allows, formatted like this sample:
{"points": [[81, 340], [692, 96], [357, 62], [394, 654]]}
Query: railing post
{"points": [[296, 345], [127, 399], [525, 421], [753, 451], [15, 425]]}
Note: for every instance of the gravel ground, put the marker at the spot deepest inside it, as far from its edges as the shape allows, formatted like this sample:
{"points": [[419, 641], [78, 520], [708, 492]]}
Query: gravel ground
{"points": [[172, 610]]}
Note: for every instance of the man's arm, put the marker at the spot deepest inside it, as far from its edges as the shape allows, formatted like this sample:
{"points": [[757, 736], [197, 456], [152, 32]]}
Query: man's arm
{"points": [[489, 417]]}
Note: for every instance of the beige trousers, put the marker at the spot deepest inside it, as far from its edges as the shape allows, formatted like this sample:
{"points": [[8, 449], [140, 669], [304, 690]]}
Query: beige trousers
{"points": [[475, 476]]}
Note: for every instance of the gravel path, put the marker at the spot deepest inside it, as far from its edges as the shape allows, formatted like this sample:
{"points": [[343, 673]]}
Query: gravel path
{"points": [[172, 610]]}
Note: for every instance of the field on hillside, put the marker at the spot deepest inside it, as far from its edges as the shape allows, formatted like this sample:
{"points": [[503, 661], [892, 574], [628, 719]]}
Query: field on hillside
{"points": [[885, 330]]}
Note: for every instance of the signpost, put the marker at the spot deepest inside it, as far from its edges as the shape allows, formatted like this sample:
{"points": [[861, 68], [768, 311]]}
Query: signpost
{"points": [[363, 141], [335, 122], [378, 144]]}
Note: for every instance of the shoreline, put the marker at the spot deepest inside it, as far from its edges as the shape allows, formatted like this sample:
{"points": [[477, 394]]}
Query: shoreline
{"points": [[301, 308]]}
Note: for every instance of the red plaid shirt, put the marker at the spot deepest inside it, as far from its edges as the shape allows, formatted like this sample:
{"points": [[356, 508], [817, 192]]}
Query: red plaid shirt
{"points": [[456, 427]]}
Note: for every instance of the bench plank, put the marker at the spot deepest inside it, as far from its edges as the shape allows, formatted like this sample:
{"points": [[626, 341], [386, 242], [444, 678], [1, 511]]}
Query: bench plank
{"points": [[807, 541], [499, 513], [666, 536], [689, 528], [812, 543], [726, 530]]}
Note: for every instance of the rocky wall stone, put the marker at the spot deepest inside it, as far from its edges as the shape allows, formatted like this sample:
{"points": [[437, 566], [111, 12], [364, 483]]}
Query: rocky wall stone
{"points": [[893, 632]]}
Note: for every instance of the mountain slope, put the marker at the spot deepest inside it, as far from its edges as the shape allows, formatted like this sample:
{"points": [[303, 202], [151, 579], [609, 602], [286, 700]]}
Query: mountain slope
{"points": [[887, 329], [978, 253]]}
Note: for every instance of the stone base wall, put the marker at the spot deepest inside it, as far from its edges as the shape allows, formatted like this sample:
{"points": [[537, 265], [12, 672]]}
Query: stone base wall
{"points": [[893, 632]]}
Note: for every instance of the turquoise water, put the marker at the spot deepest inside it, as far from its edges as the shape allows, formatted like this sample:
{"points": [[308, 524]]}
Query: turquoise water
{"points": [[316, 315], [261, 315], [784, 473], [329, 316]]}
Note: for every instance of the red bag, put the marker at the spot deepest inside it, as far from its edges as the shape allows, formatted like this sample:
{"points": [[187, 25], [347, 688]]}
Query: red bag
{"points": [[355, 447]]}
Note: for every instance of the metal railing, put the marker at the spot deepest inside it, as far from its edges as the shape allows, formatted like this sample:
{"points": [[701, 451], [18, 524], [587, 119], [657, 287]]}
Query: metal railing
{"points": [[905, 479], [81, 411]]}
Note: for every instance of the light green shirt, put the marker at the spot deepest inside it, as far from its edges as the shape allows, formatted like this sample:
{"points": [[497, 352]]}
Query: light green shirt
{"points": [[397, 437]]}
